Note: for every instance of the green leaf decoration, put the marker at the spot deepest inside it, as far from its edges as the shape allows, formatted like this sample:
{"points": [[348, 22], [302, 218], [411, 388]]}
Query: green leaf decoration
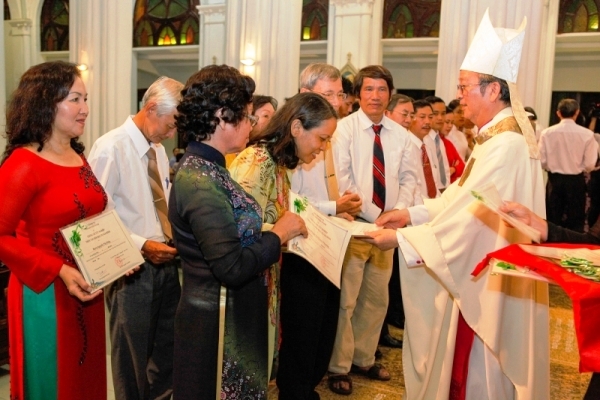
{"points": [[300, 205], [75, 239], [506, 266]]}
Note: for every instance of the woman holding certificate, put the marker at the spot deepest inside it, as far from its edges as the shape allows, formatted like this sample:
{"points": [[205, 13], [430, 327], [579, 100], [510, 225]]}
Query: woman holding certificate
{"points": [[298, 132], [217, 232], [56, 327]]}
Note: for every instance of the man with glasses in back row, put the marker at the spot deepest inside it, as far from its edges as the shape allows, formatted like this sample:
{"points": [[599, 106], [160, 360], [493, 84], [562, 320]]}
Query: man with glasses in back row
{"points": [[309, 302]]}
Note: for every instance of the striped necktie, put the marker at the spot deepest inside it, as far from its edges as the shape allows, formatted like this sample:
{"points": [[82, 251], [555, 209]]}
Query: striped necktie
{"points": [[438, 154], [378, 170], [431, 190], [158, 194]]}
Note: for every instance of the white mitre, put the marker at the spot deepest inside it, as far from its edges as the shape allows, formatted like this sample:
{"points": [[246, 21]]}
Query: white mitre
{"points": [[497, 52]]}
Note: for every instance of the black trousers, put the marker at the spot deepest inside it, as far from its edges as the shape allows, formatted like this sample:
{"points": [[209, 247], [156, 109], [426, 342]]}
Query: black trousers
{"points": [[565, 195], [593, 390], [594, 193], [309, 314], [142, 314]]}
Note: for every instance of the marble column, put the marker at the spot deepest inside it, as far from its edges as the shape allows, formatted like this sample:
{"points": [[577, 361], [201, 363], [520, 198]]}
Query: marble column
{"points": [[270, 48], [100, 36], [18, 45], [212, 31], [354, 27]]}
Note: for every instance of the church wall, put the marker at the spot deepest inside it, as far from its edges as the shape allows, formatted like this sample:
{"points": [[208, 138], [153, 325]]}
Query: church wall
{"points": [[414, 75], [576, 76]]}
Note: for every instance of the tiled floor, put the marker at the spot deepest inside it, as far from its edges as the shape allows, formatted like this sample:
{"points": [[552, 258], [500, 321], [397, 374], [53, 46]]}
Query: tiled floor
{"points": [[566, 382]]}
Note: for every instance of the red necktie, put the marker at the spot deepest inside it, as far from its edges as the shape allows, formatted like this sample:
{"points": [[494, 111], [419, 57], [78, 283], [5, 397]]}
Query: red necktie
{"points": [[431, 191], [378, 170]]}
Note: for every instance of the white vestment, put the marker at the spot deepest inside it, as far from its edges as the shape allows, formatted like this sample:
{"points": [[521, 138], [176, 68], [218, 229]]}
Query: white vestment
{"points": [[510, 315]]}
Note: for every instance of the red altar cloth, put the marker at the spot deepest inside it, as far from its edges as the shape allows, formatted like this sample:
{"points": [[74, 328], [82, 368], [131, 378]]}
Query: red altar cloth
{"points": [[584, 293]]}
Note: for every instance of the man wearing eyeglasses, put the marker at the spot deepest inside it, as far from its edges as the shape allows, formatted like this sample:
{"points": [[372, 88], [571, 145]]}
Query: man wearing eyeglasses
{"points": [[401, 110], [484, 336], [309, 301]]}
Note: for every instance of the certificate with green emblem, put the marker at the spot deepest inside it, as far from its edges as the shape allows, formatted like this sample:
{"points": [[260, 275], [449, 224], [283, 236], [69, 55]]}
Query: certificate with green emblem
{"points": [[102, 248], [326, 243]]}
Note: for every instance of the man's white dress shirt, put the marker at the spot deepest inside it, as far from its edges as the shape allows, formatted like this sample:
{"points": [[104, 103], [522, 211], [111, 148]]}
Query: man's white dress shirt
{"points": [[119, 161], [352, 145], [460, 142], [567, 148], [433, 135], [421, 187]]}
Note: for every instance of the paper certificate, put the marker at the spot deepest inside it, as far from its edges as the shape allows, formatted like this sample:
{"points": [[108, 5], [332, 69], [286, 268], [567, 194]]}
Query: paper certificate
{"points": [[326, 243], [357, 229], [102, 248]]}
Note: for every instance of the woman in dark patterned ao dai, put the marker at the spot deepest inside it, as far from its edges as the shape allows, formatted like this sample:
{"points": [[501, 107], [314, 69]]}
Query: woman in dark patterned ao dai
{"points": [[217, 232]]}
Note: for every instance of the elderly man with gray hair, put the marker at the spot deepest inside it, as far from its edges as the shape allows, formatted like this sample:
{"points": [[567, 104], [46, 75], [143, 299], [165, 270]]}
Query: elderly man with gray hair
{"points": [[132, 165]]}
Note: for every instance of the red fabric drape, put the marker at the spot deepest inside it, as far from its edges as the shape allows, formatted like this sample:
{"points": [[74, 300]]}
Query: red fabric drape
{"points": [[584, 294]]}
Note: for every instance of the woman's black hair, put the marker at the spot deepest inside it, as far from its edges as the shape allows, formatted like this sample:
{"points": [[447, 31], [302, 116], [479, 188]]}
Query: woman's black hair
{"points": [[310, 109], [32, 108], [213, 88]]}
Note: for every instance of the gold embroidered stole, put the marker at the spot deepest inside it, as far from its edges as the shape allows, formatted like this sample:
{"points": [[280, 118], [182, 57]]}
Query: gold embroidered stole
{"points": [[507, 124]]}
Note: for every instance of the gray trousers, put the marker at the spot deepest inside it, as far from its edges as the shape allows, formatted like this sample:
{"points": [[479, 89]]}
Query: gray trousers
{"points": [[142, 312]]}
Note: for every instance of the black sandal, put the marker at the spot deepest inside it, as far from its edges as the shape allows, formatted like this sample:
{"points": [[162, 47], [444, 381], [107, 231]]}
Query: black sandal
{"points": [[334, 380]]}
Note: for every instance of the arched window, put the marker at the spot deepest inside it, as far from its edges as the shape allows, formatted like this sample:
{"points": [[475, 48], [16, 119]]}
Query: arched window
{"points": [[578, 16], [6, 11], [165, 22], [54, 24], [411, 18], [315, 15]]}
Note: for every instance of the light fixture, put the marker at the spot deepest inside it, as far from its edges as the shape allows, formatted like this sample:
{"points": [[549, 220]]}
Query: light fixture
{"points": [[82, 67], [247, 61], [306, 33]]}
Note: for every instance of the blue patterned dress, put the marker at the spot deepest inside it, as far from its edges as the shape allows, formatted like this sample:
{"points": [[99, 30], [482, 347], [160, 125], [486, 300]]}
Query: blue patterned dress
{"points": [[217, 231]]}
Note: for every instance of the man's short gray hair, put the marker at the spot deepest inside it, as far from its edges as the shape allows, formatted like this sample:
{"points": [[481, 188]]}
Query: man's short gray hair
{"points": [[398, 98], [317, 71], [166, 93]]}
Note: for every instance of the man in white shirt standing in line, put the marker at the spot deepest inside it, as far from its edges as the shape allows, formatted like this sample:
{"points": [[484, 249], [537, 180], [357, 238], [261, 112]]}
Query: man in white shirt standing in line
{"points": [[420, 129], [309, 301], [133, 167], [481, 337], [385, 179], [567, 150], [437, 122]]}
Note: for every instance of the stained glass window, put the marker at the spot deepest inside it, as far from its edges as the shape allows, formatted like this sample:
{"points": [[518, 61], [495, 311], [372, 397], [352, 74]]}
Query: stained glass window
{"points": [[54, 24], [165, 22], [578, 16], [411, 18], [315, 15], [6, 11]]}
